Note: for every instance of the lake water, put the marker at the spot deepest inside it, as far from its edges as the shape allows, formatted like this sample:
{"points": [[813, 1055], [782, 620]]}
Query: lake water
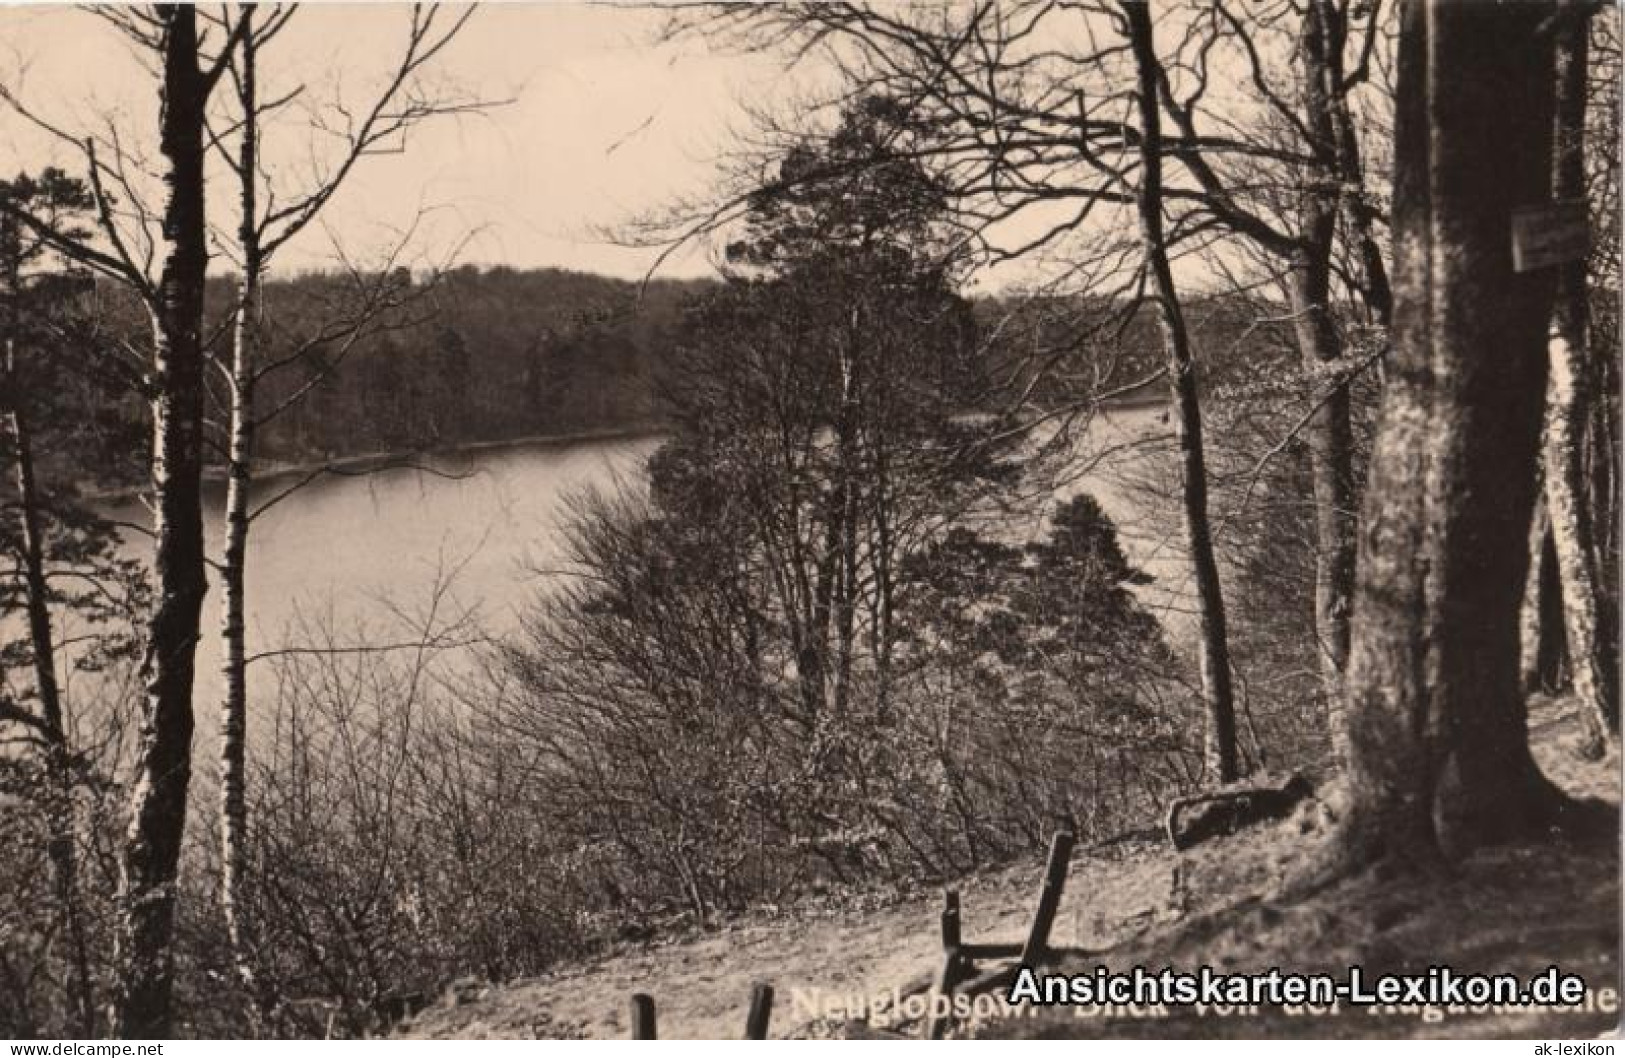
{"points": [[347, 550], [344, 550]]}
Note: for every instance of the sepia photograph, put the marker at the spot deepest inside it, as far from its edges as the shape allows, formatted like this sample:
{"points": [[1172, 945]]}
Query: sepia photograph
{"points": [[818, 520]]}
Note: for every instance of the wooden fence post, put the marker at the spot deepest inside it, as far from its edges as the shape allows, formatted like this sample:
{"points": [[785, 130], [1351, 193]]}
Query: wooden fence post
{"points": [[951, 935], [954, 970], [761, 1010], [954, 967], [1049, 898], [643, 1017]]}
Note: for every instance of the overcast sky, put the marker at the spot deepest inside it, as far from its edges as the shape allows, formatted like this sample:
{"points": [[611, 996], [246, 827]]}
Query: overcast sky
{"points": [[604, 124]]}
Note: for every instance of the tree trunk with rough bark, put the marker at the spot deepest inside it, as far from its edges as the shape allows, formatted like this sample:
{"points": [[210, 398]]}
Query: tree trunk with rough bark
{"points": [[1330, 439], [1330, 188], [163, 770], [1220, 755], [1439, 757], [1568, 411]]}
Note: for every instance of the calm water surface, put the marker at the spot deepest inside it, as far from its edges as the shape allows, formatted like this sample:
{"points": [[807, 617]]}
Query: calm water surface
{"points": [[346, 551]]}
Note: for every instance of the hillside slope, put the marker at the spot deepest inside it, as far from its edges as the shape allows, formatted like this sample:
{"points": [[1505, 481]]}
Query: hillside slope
{"points": [[1130, 902]]}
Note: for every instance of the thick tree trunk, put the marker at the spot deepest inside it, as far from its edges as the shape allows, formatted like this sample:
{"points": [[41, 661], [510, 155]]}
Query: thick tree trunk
{"points": [[164, 762], [1214, 655], [1439, 758], [1568, 410]]}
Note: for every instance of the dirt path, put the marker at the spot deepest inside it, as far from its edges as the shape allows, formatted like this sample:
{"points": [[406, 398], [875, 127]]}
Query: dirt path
{"points": [[1209, 905], [819, 961]]}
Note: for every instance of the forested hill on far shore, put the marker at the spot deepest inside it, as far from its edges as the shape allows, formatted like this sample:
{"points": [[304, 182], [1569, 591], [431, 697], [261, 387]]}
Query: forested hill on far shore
{"points": [[483, 356]]}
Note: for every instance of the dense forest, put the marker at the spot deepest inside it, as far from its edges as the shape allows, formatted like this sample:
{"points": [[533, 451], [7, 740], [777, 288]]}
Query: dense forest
{"points": [[464, 356], [476, 355], [487, 355]]}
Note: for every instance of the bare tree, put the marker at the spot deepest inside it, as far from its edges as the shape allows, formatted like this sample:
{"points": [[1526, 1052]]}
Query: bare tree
{"points": [[1569, 402], [265, 225], [55, 201], [1291, 184], [164, 262], [158, 799], [1034, 141], [1213, 647], [1025, 134]]}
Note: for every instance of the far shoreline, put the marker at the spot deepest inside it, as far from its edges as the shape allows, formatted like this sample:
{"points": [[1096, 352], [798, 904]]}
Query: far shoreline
{"points": [[384, 462]]}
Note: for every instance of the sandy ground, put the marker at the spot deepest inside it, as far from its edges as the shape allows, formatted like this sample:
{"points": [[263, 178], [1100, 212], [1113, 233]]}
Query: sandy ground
{"points": [[1130, 902]]}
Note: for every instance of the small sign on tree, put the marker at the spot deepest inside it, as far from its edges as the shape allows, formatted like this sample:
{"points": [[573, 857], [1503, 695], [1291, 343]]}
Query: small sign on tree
{"points": [[1550, 234]]}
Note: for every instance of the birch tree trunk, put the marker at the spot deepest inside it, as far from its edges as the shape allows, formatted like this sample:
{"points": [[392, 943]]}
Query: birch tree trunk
{"points": [[1220, 758], [1439, 758], [164, 756], [1568, 409], [234, 559], [398, 107], [234, 669]]}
